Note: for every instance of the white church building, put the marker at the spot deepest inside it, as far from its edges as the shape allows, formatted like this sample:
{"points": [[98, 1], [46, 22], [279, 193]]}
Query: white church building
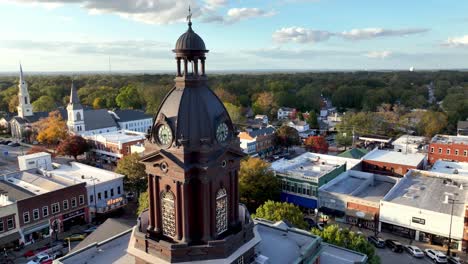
{"points": [[80, 120]]}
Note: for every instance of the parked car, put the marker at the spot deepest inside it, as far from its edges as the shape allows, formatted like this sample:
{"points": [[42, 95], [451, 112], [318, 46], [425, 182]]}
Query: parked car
{"points": [[454, 260], [6, 142], [394, 245], [31, 253], [377, 241], [414, 251], [14, 145], [130, 196], [90, 229], [42, 258], [75, 237], [436, 256], [11, 143]]}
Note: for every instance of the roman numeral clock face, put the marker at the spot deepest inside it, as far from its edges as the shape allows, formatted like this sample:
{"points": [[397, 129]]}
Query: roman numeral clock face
{"points": [[222, 132], [164, 135]]}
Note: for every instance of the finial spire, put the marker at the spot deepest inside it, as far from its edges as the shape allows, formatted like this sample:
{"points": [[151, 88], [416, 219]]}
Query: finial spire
{"points": [[21, 73], [189, 17]]}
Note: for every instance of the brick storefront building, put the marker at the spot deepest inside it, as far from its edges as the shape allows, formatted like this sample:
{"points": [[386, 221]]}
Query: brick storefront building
{"points": [[392, 163], [451, 148]]}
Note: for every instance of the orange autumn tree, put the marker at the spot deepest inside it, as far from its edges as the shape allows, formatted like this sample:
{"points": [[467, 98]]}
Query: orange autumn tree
{"points": [[52, 129], [317, 144]]}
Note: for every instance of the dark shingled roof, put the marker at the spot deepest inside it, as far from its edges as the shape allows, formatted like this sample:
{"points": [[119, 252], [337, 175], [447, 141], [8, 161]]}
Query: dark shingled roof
{"points": [[40, 115], [130, 115], [111, 227], [262, 131], [97, 119]]}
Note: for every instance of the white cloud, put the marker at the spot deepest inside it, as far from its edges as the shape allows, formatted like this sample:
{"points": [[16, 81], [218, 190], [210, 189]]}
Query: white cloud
{"points": [[457, 42], [215, 4], [238, 14], [369, 33], [378, 54], [300, 35]]}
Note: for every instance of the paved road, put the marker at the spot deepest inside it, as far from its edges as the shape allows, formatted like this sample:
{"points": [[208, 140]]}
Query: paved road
{"points": [[389, 257]]}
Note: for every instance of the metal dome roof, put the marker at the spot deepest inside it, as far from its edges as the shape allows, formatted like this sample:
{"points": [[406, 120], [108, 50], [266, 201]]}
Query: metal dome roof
{"points": [[190, 41]]}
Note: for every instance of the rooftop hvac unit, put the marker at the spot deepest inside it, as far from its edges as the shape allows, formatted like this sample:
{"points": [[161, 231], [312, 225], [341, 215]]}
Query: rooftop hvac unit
{"points": [[261, 259]]}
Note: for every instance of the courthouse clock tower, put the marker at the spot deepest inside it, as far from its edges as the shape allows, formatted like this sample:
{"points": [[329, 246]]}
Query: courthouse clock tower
{"points": [[192, 160]]}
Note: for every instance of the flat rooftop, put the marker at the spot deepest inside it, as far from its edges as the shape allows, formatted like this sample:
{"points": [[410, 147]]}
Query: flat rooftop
{"points": [[449, 139], [408, 159], [428, 190], [13, 192], [308, 165], [121, 136], [34, 182], [78, 172], [450, 167], [359, 184], [409, 139]]}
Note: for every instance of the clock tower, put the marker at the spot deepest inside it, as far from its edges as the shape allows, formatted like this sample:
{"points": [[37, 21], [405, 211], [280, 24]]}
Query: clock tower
{"points": [[192, 160]]}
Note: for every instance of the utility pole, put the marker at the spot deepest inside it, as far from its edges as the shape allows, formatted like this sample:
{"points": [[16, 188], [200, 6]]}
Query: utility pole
{"points": [[452, 201]]}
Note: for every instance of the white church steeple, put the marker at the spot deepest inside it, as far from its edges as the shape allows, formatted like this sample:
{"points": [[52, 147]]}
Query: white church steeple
{"points": [[24, 107], [75, 120]]}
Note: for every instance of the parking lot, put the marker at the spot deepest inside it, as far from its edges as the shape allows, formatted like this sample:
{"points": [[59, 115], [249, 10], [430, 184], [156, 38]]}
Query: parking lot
{"points": [[389, 257]]}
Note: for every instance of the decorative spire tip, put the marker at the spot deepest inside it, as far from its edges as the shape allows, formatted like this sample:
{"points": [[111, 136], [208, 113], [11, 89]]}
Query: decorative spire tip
{"points": [[189, 17]]}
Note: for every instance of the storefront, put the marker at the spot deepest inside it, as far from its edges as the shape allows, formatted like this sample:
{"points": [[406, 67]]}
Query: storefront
{"points": [[361, 219], [37, 232], [71, 219], [10, 241], [398, 230]]}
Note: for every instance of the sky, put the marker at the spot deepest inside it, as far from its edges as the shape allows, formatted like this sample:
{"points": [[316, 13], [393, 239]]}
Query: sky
{"points": [[242, 35]]}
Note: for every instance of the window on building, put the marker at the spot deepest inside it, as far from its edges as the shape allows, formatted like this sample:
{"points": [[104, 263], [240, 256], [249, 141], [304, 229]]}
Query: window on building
{"points": [[65, 204], [25, 218], [45, 211], [240, 260], [36, 214], [2, 229], [55, 208], [465, 153], [91, 198], [440, 150], [118, 189], [99, 196], [221, 211], [432, 149], [105, 195], [81, 199], [73, 202], [112, 192], [11, 222], [448, 151], [456, 152], [168, 214]]}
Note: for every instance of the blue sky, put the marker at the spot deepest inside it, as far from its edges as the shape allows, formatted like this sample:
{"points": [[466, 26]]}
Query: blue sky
{"points": [[138, 35]]}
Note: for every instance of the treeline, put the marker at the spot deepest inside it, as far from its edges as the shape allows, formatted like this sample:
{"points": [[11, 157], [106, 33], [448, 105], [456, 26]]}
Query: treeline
{"points": [[264, 93]]}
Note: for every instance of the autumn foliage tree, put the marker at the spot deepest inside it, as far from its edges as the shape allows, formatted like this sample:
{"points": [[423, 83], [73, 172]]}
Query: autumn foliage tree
{"points": [[52, 129], [38, 149], [317, 144], [287, 136], [73, 146], [257, 183], [134, 172]]}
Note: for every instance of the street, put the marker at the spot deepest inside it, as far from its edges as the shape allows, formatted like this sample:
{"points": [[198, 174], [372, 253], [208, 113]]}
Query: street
{"points": [[389, 257]]}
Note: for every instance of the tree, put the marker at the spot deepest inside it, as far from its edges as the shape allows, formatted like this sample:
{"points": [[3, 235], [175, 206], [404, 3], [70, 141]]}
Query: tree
{"points": [[432, 123], [99, 103], [257, 183], [300, 116], [264, 103], [37, 149], [128, 98], [143, 202], [279, 211], [312, 120], [44, 104], [344, 139], [52, 129], [316, 144], [13, 104], [287, 136], [335, 235], [234, 112], [134, 172], [73, 146]]}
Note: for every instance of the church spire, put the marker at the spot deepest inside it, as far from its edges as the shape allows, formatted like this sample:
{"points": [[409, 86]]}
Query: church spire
{"points": [[24, 107], [21, 74], [74, 99]]}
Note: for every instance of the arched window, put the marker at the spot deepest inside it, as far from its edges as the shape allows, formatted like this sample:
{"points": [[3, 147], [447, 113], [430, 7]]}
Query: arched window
{"points": [[221, 211], [78, 116], [168, 214]]}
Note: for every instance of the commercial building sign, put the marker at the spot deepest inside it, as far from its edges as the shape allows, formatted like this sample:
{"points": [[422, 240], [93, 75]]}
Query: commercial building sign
{"points": [[114, 201], [418, 220]]}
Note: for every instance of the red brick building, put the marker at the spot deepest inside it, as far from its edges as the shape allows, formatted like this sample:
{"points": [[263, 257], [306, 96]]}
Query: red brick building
{"points": [[392, 163], [446, 147]]}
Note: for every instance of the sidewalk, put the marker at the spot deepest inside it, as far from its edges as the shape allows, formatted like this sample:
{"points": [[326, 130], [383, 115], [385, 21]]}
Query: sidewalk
{"points": [[403, 240]]}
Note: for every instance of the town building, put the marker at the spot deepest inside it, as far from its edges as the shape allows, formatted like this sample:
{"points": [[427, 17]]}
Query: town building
{"points": [[424, 205], [410, 144], [301, 177], [354, 197], [44, 204], [446, 147], [392, 163], [104, 189], [302, 128], [375, 140], [462, 128], [450, 167], [354, 153], [263, 118], [81, 120], [112, 146], [286, 113], [9, 221], [258, 142]]}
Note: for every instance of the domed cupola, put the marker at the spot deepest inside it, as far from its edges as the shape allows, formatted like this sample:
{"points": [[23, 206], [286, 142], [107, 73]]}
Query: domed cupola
{"points": [[191, 115]]}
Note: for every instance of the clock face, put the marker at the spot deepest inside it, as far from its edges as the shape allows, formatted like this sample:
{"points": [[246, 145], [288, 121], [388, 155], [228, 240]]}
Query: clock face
{"points": [[222, 132], [164, 135]]}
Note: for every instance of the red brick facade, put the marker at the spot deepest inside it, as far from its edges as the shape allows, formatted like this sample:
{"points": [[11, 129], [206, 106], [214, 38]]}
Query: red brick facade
{"points": [[451, 151], [387, 168], [5, 223]]}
